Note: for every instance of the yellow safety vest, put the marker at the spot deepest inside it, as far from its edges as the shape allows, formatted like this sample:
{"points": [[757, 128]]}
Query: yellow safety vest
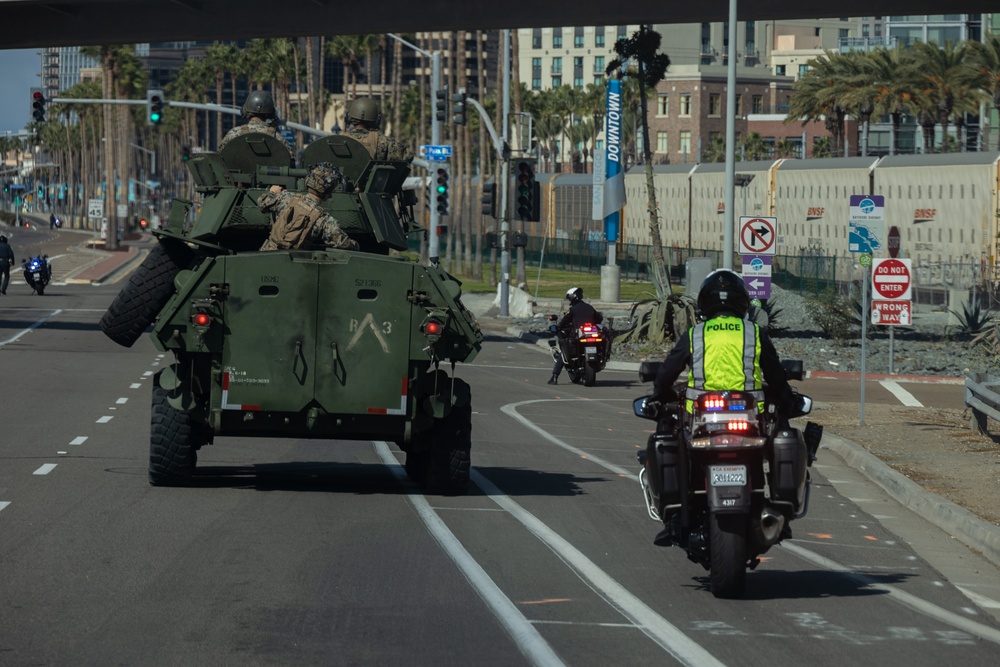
{"points": [[725, 355]]}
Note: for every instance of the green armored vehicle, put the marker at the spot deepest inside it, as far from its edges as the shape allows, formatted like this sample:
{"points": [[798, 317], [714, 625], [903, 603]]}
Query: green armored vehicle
{"points": [[332, 344]]}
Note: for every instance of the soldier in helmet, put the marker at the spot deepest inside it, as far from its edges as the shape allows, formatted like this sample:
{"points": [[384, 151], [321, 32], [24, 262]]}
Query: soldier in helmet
{"points": [[258, 108], [363, 121], [298, 221]]}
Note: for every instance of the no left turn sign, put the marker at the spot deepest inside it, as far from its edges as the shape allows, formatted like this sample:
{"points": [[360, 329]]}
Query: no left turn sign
{"points": [[757, 235]]}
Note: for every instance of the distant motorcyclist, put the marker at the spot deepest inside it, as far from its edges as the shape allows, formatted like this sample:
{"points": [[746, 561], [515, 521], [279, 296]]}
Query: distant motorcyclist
{"points": [[262, 117], [6, 261], [580, 312]]}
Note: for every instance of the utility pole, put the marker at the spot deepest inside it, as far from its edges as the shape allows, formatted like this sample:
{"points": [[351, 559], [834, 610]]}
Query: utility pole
{"points": [[433, 245], [505, 186]]}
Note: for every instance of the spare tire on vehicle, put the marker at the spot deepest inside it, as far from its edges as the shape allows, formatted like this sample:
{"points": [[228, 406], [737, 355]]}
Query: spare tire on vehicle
{"points": [[148, 289]]}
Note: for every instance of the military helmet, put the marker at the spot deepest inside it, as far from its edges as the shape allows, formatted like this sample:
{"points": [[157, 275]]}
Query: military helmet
{"points": [[259, 103], [364, 111], [723, 291], [323, 177], [574, 294]]}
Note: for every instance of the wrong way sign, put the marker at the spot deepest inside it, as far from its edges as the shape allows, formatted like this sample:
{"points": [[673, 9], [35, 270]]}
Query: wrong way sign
{"points": [[757, 235], [891, 279]]}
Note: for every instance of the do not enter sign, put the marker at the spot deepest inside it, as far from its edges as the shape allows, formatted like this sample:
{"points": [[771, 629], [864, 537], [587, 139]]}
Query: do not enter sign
{"points": [[891, 278]]}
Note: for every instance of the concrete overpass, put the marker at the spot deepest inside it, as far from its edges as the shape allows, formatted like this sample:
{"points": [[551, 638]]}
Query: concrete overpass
{"points": [[40, 23]]}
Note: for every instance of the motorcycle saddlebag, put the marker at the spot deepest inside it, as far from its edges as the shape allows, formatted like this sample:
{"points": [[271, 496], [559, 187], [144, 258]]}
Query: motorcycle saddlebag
{"points": [[662, 469], [788, 468]]}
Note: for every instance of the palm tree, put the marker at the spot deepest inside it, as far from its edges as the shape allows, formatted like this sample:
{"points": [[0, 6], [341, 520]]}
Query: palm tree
{"points": [[949, 74], [345, 48], [754, 147], [986, 57], [651, 68], [894, 75], [220, 57], [715, 151], [785, 148], [816, 96]]}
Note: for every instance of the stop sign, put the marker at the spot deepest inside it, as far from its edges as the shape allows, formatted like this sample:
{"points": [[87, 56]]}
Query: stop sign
{"points": [[893, 241], [891, 278]]}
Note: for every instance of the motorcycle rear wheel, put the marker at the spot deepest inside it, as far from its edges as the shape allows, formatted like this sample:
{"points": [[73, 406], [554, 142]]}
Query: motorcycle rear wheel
{"points": [[728, 555], [589, 375]]}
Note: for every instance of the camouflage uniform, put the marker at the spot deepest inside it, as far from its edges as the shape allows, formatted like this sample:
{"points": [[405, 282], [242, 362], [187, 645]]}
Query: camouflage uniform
{"points": [[300, 223], [254, 125], [379, 146]]}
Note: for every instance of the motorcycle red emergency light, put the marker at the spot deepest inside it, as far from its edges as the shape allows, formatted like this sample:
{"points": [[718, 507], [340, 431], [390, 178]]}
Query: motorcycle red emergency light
{"points": [[739, 426], [710, 403], [201, 319]]}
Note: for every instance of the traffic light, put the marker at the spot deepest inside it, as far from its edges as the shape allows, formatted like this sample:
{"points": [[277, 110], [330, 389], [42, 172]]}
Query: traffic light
{"points": [[154, 107], [528, 191], [38, 105], [489, 199], [458, 107], [41, 192], [442, 105], [442, 190], [185, 153]]}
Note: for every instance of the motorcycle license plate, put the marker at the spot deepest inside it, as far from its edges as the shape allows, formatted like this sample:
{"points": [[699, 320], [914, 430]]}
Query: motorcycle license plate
{"points": [[38, 276], [591, 349], [727, 475]]}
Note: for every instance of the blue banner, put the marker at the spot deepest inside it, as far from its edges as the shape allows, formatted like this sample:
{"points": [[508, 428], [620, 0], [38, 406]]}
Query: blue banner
{"points": [[614, 186]]}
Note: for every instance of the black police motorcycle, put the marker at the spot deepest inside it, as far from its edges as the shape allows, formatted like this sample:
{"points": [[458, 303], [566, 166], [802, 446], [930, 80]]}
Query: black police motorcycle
{"points": [[585, 350], [725, 479], [37, 273]]}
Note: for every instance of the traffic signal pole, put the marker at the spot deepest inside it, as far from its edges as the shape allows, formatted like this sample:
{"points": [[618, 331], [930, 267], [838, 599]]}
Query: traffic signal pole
{"points": [[505, 186]]}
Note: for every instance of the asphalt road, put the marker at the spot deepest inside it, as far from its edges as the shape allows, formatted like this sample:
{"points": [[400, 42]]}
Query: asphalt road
{"points": [[318, 552]]}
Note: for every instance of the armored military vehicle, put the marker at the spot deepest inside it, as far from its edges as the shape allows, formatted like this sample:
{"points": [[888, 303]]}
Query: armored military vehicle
{"points": [[331, 344]]}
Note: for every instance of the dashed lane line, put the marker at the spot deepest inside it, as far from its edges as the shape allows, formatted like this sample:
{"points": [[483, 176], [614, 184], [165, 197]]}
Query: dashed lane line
{"points": [[45, 469]]}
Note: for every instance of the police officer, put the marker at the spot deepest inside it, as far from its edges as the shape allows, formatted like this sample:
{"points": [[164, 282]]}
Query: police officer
{"points": [[725, 351], [6, 261], [363, 121], [580, 312], [258, 108], [298, 220]]}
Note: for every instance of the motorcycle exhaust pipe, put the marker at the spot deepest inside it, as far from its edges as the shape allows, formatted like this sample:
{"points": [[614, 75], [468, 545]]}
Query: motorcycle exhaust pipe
{"points": [[647, 494], [771, 525]]}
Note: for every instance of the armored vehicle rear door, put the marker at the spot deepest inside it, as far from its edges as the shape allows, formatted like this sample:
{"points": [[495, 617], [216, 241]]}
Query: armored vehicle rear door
{"points": [[269, 359], [363, 335]]}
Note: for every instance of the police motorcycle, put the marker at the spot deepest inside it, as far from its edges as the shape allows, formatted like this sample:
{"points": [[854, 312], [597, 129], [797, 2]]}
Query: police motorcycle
{"points": [[726, 478], [37, 272], [585, 350]]}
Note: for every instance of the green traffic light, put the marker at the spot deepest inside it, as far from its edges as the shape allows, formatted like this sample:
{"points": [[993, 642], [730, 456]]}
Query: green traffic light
{"points": [[155, 117], [442, 189]]}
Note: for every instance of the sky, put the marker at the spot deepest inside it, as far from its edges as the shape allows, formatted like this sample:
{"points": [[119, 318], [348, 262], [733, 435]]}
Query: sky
{"points": [[19, 72]]}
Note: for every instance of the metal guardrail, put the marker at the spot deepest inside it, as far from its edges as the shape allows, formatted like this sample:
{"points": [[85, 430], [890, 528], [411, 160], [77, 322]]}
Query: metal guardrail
{"points": [[981, 395]]}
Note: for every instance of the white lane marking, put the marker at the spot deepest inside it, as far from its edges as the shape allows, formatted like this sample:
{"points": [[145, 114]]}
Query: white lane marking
{"points": [[45, 469], [524, 635], [511, 409], [135, 385], [981, 600], [905, 397], [32, 327], [104, 420], [668, 636], [4, 503], [121, 401], [78, 440], [906, 599], [895, 594], [147, 374]]}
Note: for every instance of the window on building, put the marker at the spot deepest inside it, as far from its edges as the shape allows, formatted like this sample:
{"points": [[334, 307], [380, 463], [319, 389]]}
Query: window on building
{"points": [[661, 142], [878, 29], [556, 81], [536, 38], [864, 30], [685, 142], [536, 64], [557, 38], [599, 36], [622, 32], [758, 104], [662, 104], [843, 33], [578, 82], [715, 104], [685, 101], [599, 80], [536, 83], [779, 70], [599, 65], [739, 105], [557, 65], [802, 70], [578, 38]]}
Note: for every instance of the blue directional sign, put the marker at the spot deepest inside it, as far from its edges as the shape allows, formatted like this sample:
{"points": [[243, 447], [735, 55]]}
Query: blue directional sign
{"points": [[866, 229], [435, 153]]}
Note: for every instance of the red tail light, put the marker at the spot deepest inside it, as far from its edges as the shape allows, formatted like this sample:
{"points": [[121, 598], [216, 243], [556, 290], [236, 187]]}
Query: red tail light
{"points": [[201, 319], [432, 328]]}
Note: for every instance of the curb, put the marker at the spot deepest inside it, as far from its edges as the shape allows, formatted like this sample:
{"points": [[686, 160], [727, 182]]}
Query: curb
{"points": [[946, 515]]}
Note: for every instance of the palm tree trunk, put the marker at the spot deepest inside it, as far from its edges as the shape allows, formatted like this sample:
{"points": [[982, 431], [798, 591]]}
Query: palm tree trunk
{"points": [[477, 265], [661, 277], [397, 86], [298, 87], [107, 61], [311, 83]]}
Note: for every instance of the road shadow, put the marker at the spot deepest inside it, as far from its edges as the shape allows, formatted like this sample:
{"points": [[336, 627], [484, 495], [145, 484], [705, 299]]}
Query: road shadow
{"points": [[809, 584]]}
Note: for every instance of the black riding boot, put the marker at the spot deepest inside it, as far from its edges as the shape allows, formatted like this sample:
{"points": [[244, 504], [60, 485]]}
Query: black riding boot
{"points": [[554, 379]]}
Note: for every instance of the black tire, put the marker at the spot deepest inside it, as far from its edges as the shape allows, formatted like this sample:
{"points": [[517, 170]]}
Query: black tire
{"points": [[174, 439], [574, 377], [416, 466], [148, 289], [40, 289], [728, 555], [450, 459], [589, 375]]}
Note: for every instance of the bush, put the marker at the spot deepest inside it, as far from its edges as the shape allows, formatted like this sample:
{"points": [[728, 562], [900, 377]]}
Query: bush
{"points": [[836, 315]]}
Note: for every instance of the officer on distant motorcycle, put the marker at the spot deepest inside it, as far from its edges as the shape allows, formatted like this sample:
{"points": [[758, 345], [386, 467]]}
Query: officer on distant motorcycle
{"points": [[724, 352], [580, 313]]}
